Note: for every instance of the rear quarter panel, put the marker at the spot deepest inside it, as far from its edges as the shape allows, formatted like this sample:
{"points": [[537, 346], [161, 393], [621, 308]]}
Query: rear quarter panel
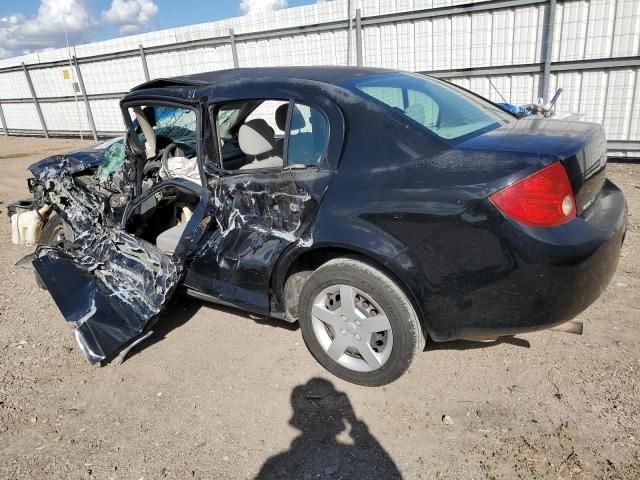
{"points": [[419, 207]]}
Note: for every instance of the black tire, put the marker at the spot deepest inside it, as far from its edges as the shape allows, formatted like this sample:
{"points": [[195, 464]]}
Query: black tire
{"points": [[53, 234], [408, 339]]}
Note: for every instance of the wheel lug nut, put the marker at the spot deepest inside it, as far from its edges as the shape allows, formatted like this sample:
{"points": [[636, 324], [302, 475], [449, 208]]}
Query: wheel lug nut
{"points": [[343, 318], [343, 331], [357, 337], [358, 323]]}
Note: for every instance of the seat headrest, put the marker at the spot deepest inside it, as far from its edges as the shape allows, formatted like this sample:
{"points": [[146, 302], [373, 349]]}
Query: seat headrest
{"points": [[281, 116], [256, 137], [297, 120]]}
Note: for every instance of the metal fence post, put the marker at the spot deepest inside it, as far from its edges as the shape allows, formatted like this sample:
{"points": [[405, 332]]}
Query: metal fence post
{"points": [[35, 100], [358, 38], [349, 25], [86, 99], [145, 67], [4, 122], [547, 49], [234, 50]]}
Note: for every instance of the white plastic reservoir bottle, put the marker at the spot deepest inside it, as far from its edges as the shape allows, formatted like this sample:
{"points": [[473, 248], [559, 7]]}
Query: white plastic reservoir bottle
{"points": [[26, 226]]}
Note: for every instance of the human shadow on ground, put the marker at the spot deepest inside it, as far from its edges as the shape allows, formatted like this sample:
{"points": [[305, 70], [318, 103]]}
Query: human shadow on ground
{"points": [[322, 414]]}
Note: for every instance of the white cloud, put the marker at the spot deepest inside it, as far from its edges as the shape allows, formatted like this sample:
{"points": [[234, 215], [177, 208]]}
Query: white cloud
{"points": [[132, 15], [19, 34], [255, 6]]}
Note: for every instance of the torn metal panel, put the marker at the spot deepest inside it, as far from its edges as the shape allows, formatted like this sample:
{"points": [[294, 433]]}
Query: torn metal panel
{"points": [[112, 296], [110, 283], [270, 204], [258, 217]]}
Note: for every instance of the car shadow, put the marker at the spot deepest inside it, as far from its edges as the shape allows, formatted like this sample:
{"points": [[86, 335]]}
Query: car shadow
{"points": [[332, 443], [473, 344], [268, 321], [183, 308]]}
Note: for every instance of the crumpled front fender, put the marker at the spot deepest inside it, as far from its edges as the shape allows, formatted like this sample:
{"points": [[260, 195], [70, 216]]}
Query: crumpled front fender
{"points": [[110, 283]]}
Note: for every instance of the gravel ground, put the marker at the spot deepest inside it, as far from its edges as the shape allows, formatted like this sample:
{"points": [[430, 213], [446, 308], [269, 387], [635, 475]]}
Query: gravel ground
{"points": [[215, 394]]}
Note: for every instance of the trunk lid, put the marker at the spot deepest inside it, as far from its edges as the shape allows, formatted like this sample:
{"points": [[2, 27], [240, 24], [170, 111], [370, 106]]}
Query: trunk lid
{"points": [[580, 146]]}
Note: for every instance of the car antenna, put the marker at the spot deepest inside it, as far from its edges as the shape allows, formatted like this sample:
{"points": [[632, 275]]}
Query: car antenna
{"points": [[494, 87]]}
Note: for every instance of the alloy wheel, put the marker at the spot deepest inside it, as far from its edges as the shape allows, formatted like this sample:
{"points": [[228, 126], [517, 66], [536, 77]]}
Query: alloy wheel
{"points": [[352, 328]]}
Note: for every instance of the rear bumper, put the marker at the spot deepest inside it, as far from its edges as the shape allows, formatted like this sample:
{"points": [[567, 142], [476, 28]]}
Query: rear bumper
{"points": [[537, 277]]}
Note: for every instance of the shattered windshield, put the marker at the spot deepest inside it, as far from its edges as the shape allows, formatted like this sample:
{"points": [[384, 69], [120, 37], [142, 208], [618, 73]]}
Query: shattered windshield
{"points": [[156, 127], [169, 125], [444, 110]]}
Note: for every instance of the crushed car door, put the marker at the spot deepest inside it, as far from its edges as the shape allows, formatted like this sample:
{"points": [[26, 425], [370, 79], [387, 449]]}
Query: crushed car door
{"points": [[109, 282], [261, 212], [259, 215]]}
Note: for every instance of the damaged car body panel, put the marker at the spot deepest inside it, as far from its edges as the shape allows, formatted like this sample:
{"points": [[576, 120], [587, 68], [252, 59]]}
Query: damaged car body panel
{"points": [[109, 282], [242, 223], [263, 213], [258, 219], [124, 280], [243, 186]]}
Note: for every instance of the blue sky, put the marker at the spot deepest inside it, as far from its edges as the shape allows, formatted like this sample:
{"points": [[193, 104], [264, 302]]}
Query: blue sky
{"points": [[31, 25]]}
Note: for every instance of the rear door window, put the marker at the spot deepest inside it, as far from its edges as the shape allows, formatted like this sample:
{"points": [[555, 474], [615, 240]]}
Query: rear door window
{"points": [[281, 133], [445, 110], [308, 136]]}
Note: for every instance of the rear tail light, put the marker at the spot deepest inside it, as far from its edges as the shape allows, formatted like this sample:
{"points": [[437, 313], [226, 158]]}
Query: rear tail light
{"points": [[542, 199]]}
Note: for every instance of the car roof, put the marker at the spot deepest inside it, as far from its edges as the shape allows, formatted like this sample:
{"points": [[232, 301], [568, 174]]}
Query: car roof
{"points": [[325, 74]]}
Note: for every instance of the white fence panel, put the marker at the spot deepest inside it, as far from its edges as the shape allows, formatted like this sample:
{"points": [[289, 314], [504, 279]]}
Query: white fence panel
{"points": [[21, 116], [165, 64], [107, 115], [50, 82], [594, 88], [112, 76], [65, 116], [481, 26], [484, 40], [626, 32], [527, 34], [206, 59], [14, 85], [617, 118]]}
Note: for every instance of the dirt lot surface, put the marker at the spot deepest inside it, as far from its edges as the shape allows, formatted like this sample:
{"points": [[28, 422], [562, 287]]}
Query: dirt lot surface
{"points": [[215, 394]]}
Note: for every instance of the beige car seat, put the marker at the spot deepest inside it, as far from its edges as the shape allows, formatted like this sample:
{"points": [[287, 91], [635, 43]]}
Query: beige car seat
{"points": [[257, 140]]}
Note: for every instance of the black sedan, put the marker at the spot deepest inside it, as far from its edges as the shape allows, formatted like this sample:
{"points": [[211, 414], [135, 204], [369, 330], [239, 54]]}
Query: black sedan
{"points": [[377, 208]]}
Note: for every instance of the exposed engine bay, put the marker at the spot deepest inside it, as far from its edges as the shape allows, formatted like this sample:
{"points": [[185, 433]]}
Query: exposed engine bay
{"points": [[128, 268], [123, 219]]}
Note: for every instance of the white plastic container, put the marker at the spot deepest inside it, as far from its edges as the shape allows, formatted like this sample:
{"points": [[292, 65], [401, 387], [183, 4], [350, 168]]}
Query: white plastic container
{"points": [[26, 227]]}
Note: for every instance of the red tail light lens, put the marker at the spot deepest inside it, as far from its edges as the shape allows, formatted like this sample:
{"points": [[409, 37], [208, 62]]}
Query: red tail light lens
{"points": [[543, 199]]}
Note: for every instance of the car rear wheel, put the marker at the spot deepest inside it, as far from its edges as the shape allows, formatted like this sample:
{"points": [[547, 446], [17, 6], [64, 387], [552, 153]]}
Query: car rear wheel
{"points": [[358, 324]]}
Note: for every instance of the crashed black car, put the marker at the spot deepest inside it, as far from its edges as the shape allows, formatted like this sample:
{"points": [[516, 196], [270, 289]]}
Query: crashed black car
{"points": [[377, 208]]}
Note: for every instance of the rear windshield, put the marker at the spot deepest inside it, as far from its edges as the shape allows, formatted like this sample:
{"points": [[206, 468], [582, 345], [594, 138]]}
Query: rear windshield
{"points": [[444, 110]]}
